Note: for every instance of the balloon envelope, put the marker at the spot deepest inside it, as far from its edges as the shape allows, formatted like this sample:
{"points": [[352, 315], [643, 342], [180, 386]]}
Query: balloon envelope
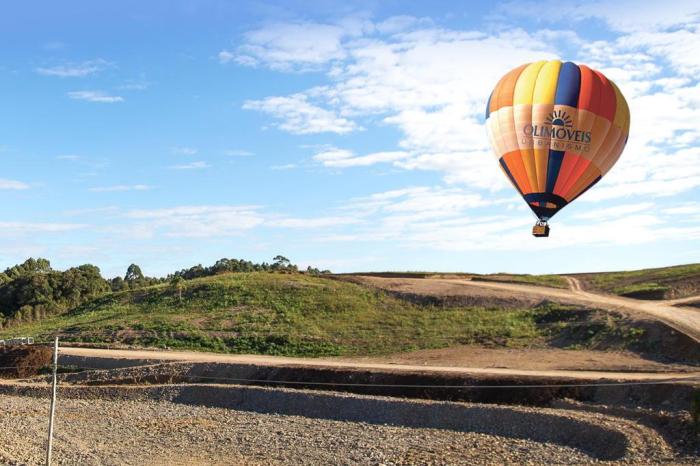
{"points": [[556, 129]]}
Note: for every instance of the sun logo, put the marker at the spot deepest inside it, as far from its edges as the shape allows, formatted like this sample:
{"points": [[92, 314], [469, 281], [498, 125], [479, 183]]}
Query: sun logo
{"points": [[559, 118]]}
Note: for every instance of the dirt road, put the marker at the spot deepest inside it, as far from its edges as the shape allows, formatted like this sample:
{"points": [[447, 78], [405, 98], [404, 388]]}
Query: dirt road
{"points": [[683, 319], [278, 361]]}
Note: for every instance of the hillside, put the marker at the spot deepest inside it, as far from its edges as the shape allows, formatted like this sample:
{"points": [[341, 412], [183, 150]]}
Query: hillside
{"points": [[298, 314], [661, 283]]}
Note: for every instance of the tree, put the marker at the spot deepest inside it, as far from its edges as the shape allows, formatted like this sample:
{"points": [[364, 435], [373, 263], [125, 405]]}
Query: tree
{"points": [[133, 273], [178, 283], [281, 262], [29, 266], [118, 284]]}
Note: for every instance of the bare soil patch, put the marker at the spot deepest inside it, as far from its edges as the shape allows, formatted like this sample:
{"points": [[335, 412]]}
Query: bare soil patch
{"points": [[530, 359]]}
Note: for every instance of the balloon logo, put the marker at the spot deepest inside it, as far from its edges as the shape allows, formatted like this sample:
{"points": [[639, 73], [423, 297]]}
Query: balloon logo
{"points": [[556, 129]]}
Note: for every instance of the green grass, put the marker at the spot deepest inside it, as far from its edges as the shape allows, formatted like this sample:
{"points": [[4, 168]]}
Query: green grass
{"points": [[660, 283], [649, 290], [280, 314], [552, 281]]}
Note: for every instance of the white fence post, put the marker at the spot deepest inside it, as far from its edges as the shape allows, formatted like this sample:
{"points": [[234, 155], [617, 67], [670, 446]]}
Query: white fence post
{"points": [[53, 402]]}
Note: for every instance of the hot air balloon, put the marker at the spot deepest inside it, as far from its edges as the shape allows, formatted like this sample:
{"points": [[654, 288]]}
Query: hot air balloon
{"points": [[556, 129]]}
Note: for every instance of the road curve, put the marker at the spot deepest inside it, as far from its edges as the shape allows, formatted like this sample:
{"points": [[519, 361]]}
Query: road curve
{"points": [[279, 361], [683, 319]]}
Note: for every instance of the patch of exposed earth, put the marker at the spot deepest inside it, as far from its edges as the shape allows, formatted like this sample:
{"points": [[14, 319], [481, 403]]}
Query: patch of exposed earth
{"points": [[529, 359]]}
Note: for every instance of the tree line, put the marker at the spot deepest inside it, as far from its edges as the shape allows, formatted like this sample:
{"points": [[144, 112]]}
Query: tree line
{"points": [[33, 290]]}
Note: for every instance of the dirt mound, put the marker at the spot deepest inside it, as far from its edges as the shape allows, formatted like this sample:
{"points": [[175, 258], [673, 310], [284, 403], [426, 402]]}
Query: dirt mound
{"points": [[24, 361]]}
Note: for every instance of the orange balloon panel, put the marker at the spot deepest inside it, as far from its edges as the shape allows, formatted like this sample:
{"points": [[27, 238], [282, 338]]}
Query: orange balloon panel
{"points": [[556, 129]]}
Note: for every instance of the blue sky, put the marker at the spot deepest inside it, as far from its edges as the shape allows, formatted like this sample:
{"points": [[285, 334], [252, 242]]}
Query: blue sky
{"points": [[347, 136]]}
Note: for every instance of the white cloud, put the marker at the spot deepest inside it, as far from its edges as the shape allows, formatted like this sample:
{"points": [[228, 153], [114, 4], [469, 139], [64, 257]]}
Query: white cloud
{"points": [[477, 169], [219, 221], [419, 202], [198, 165], [75, 70], [685, 209], [399, 23], [319, 222], [299, 116], [92, 210], [95, 96], [225, 56], [616, 211], [621, 15], [183, 150], [424, 81], [454, 220], [286, 166], [134, 86], [238, 153], [12, 184], [196, 221], [292, 46], [54, 45], [341, 158], [121, 187], [12, 228], [435, 231]]}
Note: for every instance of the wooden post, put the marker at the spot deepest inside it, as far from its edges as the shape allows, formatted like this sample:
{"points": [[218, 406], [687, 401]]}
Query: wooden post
{"points": [[53, 402]]}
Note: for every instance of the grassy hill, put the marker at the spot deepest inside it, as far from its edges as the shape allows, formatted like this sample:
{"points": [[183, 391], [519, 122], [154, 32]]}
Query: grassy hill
{"points": [[303, 315], [660, 283]]}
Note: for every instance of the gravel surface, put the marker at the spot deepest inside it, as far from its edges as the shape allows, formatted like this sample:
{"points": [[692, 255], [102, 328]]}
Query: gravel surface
{"points": [[142, 432], [177, 424]]}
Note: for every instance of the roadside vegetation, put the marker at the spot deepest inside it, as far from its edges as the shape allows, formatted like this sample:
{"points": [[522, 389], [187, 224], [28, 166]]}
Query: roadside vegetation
{"points": [[661, 283]]}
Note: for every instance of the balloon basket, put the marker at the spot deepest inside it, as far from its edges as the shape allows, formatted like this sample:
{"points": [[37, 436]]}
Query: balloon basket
{"points": [[540, 230]]}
